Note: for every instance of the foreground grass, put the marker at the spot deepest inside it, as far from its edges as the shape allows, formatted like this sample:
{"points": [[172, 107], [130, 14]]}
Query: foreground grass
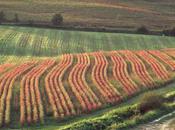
{"points": [[26, 41]]}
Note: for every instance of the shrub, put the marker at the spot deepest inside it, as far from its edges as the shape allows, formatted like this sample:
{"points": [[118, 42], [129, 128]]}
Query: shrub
{"points": [[2, 17], [170, 32], [142, 30], [150, 101], [170, 96], [16, 18], [57, 19], [30, 22], [173, 32]]}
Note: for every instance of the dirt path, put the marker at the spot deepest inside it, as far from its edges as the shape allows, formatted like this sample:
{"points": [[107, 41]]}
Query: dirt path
{"points": [[166, 122], [169, 125]]}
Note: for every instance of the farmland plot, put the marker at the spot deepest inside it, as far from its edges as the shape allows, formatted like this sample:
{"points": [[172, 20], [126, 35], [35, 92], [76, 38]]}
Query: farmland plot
{"points": [[65, 88]]}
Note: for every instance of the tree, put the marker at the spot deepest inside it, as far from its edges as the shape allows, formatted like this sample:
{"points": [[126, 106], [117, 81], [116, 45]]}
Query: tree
{"points": [[142, 30], [169, 32], [2, 17], [30, 22], [57, 19], [16, 18], [150, 101]]}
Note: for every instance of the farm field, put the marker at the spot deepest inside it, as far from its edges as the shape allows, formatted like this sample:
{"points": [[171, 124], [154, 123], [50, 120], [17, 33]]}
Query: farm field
{"points": [[87, 64], [23, 41], [54, 89], [50, 77], [122, 14]]}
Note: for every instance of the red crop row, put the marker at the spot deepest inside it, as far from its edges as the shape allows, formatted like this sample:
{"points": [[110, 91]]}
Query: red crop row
{"points": [[164, 58], [30, 99], [84, 94], [4, 67], [66, 82], [120, 73], [138, 68], [100, 79], [58, 97], [156, 66], [171, 53], [6, 85]]}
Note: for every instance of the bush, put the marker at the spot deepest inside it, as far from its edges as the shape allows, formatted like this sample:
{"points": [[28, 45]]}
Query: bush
{"points": [[150, 101], [170, 96], [170, 32], [30, 22], [2, 17], [142, 30], [57, 19], [16, 19]]}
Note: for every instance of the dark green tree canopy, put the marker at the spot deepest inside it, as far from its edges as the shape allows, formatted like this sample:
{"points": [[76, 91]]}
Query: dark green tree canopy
{"points": [[2, 17], [57, 19]]}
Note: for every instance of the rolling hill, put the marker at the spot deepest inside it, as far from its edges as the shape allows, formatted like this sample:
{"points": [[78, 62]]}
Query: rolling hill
{"points": [[25, 41], [121, 14], [38, 92]]}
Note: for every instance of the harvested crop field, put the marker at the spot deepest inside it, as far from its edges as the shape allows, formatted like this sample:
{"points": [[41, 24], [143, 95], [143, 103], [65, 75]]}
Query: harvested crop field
{"points": [[75, 84]]}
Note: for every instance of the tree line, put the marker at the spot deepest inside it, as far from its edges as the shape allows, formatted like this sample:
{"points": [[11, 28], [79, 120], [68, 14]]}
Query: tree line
{"points": [[57, 19]]}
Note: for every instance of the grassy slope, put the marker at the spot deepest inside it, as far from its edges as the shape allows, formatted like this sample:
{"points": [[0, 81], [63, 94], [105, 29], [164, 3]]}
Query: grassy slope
{"points": [[24, 41], [109, 13]]}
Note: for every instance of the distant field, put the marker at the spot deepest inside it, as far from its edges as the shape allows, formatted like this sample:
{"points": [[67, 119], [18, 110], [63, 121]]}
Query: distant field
{"points": [[24, 41], [155, 14]]}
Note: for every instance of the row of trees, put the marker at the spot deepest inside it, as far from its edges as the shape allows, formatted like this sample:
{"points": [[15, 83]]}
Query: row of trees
{"points": [[144, 30], [57, 19], [3, 18]]}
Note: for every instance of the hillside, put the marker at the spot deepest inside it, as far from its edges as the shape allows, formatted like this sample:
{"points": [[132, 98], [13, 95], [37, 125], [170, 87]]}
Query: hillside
{"points": [[51, 91], [22, 41], [121, 14], [49, 77], [86, 64]]}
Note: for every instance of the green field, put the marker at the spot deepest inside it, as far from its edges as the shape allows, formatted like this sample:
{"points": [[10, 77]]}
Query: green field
{"points": [[122, 14], [25, 41]]}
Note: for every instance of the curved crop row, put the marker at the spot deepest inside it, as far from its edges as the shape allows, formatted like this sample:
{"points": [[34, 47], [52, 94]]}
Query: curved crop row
{"points": [[6, 90], [30, 98], [64, 88], [138, 68], [156, 66], [164, 58], [99, 76], [57, 94], [84, 94], [120, 73], [170, 53], [4, 67]]}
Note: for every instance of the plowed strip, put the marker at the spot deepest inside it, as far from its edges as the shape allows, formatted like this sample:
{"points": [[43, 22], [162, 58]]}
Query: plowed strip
{"points": [[170, 53], [58, 97], [84, 94], [4, 67], [6, 90], [30, 98], [164, 58], [99, 76], [139, 68], [156, 66], [120, 73]]}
